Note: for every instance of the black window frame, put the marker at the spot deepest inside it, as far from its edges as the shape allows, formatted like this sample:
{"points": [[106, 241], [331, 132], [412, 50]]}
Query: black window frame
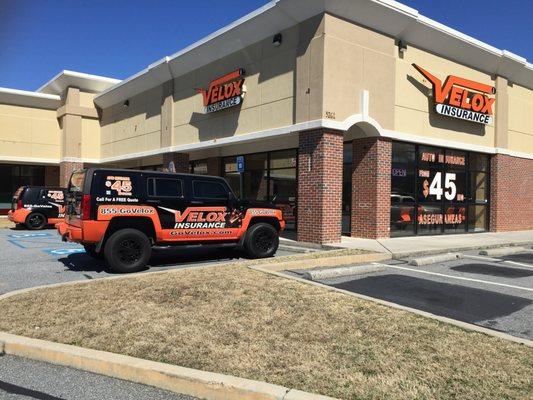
{"points": [[444, 168], [223, 185], [154, 179]]}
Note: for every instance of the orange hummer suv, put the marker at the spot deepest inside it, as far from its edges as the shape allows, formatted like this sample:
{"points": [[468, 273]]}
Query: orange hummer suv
{"points": [[120, 214]]}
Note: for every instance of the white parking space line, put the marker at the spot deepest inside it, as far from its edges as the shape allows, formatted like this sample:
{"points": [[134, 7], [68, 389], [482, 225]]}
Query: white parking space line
{"points": [[482, 258], [519, 264], [456, 277], [499, 260]]}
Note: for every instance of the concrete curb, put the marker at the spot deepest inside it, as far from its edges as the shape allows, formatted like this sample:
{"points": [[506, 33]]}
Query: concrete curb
{"points": [[296, 249], [420, 261], [319, 274], [460, 324], [201, 384], [325, 262], [504, 251], [409, 254]]}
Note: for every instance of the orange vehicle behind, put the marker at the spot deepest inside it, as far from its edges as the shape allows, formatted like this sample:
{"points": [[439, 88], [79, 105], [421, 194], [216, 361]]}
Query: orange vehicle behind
{"points": [[121, 214], [36, 207]]}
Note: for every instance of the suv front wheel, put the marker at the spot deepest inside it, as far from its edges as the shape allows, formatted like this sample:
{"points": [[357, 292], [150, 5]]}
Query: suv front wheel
{"points": [[261, 241], [127, 250]]}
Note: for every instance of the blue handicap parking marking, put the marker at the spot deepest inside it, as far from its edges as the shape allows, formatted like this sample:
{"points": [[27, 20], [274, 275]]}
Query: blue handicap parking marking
{"points": [[63, 252], [27, 235], [16, 243]]}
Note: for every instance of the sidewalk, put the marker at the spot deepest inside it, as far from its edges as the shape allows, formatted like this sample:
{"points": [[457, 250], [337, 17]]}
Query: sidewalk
{"points": [[430, 244]]}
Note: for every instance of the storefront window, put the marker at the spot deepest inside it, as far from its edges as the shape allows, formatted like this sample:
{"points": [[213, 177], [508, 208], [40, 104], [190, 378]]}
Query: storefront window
{"points": [[267, 177], [477, 218], [283, 183], [199, 167], [347, 187], [441, 187], [403, 190], [478, 196], [14, 176]]}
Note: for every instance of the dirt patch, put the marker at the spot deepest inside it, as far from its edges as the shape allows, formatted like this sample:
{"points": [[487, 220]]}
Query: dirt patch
{"points": [[238, 321]]}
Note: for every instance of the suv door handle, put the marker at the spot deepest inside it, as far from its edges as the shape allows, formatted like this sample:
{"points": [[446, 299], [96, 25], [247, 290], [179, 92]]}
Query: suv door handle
{"points": [[196, 202], [154, 201]]}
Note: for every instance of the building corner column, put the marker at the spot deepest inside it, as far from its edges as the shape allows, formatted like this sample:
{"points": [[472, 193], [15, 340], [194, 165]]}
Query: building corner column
{"points": [[371, 188], [501, 119], [66, 168], [320, 186], [498, 173], [167, 114]]}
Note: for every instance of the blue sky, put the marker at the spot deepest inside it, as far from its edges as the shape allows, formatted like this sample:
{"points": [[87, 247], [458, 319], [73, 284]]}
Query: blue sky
{"points": [[117, 38]]}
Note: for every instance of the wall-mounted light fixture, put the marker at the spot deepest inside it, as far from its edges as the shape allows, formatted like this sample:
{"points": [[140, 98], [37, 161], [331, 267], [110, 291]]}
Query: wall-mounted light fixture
{"points": [[402, 47], [276, 40], [126, 104]]}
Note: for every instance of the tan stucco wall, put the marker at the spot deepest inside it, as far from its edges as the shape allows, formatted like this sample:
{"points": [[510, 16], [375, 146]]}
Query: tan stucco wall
{"points": [[86, 99], [414, 106], [268, 102], [29, 132], [132, 129], [520, 119], [357, 59], [90, 138]]}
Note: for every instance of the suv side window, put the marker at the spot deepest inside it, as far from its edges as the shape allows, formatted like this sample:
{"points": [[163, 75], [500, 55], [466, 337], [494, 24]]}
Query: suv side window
{"points": [[165, 187], [209, 190]]}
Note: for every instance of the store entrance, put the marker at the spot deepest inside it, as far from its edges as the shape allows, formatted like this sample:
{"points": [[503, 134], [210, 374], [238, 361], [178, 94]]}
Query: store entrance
{"points": [[347, 188]]}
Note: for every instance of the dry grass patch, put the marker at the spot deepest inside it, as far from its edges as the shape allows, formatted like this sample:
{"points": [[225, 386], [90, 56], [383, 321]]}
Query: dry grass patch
{"points": [[242, 322], [5, 223]]}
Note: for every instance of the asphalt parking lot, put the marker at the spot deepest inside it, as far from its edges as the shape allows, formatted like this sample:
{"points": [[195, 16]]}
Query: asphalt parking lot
{"points": [[22, 378], [496, 293], [34, 258]]}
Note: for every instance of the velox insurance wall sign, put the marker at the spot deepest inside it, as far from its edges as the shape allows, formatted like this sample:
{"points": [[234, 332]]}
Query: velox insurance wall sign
{"points": [[461, 98], [224, 92]]}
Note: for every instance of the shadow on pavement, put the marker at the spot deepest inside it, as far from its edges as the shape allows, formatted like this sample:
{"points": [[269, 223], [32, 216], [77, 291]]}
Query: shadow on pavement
{"points": [[81, 262], [520, 257], [463, 303], [493, 270]]}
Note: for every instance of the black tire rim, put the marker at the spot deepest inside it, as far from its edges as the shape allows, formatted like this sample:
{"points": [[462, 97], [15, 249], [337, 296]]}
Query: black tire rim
{"points": [[36, 220], [264, 241], [129, 251]]}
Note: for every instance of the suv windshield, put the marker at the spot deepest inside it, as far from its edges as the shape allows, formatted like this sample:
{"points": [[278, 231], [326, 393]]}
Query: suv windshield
{"points": [[76, 181]]}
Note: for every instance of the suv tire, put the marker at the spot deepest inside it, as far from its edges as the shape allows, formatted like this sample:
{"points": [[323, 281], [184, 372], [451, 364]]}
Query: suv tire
{"points": [[36, 221], [262, 241], [127, 250]]}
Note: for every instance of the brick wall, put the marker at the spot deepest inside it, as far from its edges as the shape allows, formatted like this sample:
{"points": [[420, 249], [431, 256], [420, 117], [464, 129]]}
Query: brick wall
{"points": [[371, 188], [320, 186], [180, 160], [66, 168], [511, 193]]}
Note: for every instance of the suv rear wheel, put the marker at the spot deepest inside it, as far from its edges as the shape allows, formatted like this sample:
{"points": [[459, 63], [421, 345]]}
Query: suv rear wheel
{"points": [[261, 241], [36, 221], [127, 250]]}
